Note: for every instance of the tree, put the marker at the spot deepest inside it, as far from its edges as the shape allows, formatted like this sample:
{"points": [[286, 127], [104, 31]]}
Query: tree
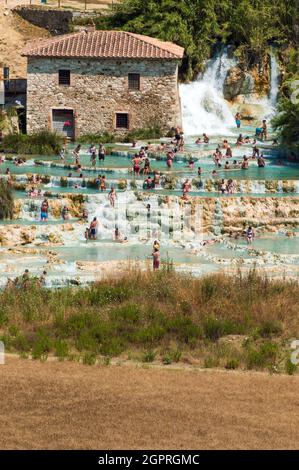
{"points": [[287, 119], [197, 25]]}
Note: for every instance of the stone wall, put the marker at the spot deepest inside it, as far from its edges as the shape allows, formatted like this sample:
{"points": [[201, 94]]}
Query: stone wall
{"points": [[55, 21], [99, 89]]}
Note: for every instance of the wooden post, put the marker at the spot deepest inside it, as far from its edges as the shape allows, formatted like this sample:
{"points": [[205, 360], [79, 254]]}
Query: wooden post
{"points": [[85, 4]]}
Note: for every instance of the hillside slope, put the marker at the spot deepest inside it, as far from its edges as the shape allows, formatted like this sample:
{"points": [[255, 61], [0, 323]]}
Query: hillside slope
{"points": [[14, 33]]}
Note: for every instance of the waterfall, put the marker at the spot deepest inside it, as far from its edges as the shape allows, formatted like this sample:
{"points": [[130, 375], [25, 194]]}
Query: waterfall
{"points": [[203, 106], [274, 81], [268, 103]]}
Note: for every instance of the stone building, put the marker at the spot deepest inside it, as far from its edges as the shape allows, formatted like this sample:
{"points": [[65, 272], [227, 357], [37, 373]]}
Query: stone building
{"points": [[96, 81]]}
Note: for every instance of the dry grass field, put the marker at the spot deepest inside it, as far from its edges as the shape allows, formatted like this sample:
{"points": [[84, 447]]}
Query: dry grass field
{"points": [[63, 405]]}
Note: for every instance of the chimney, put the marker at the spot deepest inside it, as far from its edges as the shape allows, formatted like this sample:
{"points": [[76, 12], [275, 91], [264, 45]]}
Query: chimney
{"points": [[90, 28]]}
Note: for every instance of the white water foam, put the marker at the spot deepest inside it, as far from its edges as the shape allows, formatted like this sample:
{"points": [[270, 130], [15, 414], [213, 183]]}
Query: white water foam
{"points": [[203, 107]]}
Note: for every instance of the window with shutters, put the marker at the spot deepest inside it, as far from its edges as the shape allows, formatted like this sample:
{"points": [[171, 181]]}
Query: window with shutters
{"points": [[122, 121], [64, 77], [134, 81]]}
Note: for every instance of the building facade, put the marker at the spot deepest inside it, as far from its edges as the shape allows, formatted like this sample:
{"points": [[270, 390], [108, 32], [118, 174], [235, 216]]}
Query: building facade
{"points": [[102, 81]]}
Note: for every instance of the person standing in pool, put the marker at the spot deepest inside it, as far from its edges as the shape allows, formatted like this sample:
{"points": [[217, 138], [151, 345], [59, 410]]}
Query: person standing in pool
{"points": [[93, 229], [103, 183], [44, 210], [169, 159], [76, 153], [42, 279], [238, 120], [112, 196], [156, 259], [250, 235], [101, 153], [62, 154], [93, 160], [264, 133], [136, 164]]}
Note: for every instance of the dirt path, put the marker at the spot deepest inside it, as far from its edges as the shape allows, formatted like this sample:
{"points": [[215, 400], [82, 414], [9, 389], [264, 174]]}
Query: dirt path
{"points": [[67, 405]]}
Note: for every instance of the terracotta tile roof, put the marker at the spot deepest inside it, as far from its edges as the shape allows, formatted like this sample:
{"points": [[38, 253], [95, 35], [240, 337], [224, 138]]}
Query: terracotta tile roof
{"points": [[104, 44]]}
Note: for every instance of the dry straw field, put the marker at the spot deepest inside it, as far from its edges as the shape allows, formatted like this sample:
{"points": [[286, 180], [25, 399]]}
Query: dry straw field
{"points": [[57, 405]]}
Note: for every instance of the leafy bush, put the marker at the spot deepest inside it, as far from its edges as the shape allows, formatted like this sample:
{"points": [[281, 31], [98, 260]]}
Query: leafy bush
{"points": [[210, 362], [269, 328], [40, 143], [263, 356], [290, 368], [232, 364], [149, 356], [214, 328], [61, 349], [198, 25], [178, 313], [89, 359], [103, 138], [41, 346], [153, 132]]}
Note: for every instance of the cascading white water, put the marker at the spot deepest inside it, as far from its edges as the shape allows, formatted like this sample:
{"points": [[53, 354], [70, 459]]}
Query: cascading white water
{"points": [[274, 81], [268, 103], [203, 106]]}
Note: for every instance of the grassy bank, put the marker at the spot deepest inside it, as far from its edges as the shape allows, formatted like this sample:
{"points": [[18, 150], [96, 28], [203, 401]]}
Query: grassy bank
{"points": [[217, 321]]}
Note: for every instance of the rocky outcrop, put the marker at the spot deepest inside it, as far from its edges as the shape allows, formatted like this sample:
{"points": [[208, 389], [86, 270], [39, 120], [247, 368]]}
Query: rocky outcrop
{"points": [[238, 82], [56, 21], [249, 79]]}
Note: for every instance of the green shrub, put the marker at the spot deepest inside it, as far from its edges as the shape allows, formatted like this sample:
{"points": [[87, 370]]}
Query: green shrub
{"points": [[112, 347], [103, 138], [21, 343], [290, 368], [210, 362], [175, 355], [214, 328], [148, 356], [263, 356], [41, 346], [184, 328], [87, 342], [232, 364], [128, 313], [89, 358], [101, 294], [151, 132], [61, 349], [40, 143], [150, 334], [167, 359], [269, 328]]}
